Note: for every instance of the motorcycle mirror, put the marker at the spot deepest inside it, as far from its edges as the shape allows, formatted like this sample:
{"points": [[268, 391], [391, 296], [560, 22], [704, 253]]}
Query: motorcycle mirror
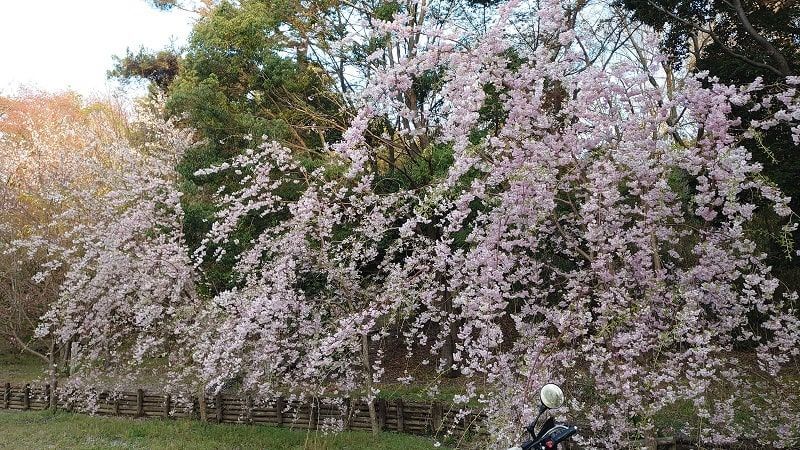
{"points": [[552, 396]]}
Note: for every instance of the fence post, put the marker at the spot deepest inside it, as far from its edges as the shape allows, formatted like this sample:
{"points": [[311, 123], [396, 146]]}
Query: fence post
{"points": [[381, 409], [167, 405], [348, 412], [218, 404], [279, 410], [650, 441], [139, 403], [436, 416], [26, 398], [116, 403], [400, 412], [313, 413], [7, 396], [248, 405], [47, 396], [53, 400], [203, 406], [193, 412]]}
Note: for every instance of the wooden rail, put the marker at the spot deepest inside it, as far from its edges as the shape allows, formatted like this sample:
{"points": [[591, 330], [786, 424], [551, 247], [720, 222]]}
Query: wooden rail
{"points": [[393, 415]]}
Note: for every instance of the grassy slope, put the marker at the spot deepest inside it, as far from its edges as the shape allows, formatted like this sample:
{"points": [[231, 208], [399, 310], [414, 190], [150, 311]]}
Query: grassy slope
{"points": [[34, 430], [20, 368]]}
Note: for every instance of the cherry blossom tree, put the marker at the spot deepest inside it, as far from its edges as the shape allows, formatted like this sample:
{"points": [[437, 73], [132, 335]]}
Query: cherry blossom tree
{"points": [[112, 246], [56, 153], [597, 235], [129, 287]]}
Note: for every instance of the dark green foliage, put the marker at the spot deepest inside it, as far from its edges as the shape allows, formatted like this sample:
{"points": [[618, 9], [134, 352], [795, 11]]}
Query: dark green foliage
{"points": [[160, 68], [437, 161], [430, 81], [386, 10], [238, 79], [493, 113], [751, 37]]}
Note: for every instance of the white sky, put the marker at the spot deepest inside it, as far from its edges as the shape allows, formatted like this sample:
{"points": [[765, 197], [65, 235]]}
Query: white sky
{"points": [[68, 44]]}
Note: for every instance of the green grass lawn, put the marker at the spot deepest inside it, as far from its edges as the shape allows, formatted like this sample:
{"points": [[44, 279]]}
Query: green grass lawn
{"points": [[43, 429]]}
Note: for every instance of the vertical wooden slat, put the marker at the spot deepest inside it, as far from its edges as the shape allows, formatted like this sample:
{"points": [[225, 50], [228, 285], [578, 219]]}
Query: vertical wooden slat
{"points": [[380, 407], [26, 397], [54, 395], [194, 412], [313, 413], [248, 405], [116, 405], [47, 396], [279, 405], [203, 407], [400, 413], [218, 404], [139, 403], [436, 416], [167, 405], [7, 396], [348, 412]]}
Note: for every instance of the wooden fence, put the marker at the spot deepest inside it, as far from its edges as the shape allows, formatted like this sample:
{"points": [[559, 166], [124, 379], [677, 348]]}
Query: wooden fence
{"points": [[393, 415], [429, 419]]}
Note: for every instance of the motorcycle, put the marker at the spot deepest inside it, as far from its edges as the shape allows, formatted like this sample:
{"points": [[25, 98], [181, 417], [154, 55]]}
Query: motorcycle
{"points": [[551, 433]]}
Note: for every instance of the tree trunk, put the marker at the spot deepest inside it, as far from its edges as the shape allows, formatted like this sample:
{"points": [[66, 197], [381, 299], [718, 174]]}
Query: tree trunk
{"points": [[201, 400], [446, 358], [52, 371], [373, 413], [446, 353], [65, 355]]}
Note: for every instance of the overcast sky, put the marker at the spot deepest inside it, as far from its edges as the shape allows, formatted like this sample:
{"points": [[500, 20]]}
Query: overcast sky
{"points": [[62, 44]]}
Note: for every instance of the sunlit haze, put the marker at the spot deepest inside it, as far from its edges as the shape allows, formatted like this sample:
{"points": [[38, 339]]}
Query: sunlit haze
{"points": [[58, 44]]}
